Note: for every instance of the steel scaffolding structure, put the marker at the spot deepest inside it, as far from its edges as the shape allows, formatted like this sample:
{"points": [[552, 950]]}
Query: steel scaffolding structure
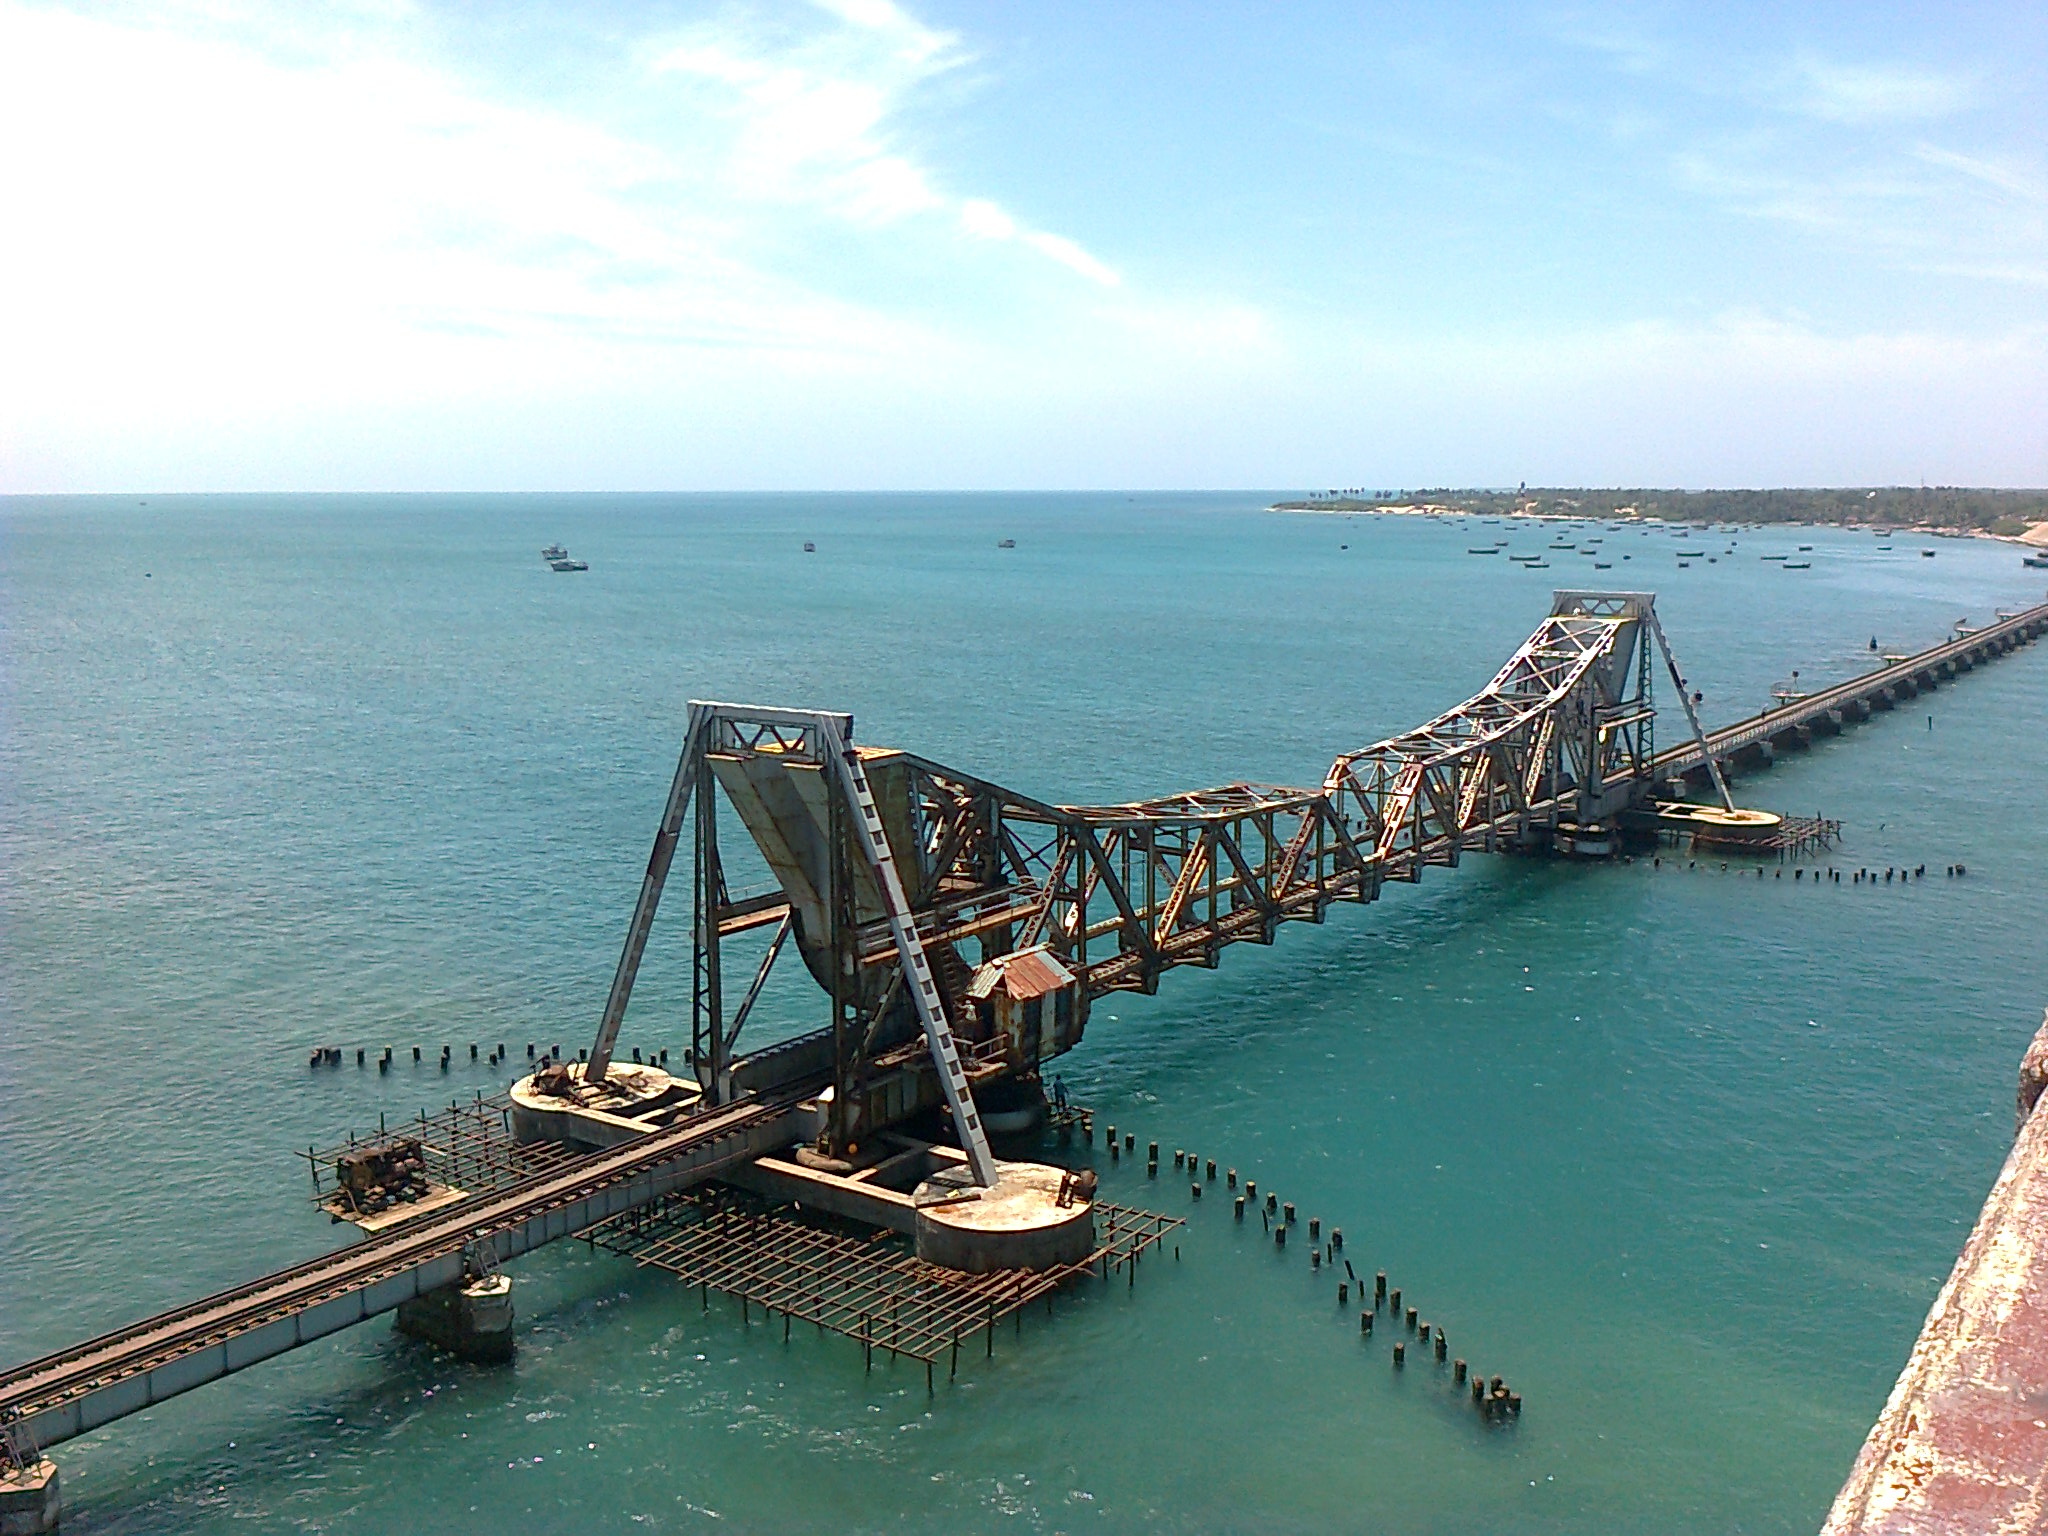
{"points": [[866, 1286]]}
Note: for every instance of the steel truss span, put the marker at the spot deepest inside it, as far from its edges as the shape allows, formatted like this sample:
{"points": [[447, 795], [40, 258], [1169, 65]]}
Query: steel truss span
{"points": [[961, 929]]}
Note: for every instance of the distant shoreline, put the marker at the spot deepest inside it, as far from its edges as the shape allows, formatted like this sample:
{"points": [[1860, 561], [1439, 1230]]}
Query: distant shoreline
{"points": [[2008, 517]]}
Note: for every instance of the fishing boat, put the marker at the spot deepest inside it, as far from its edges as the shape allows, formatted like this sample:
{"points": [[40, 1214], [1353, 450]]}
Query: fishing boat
{"points": [[2038, 562], [564, 563], [810, 548], [1774, 557], [1488, 550], [1926, 554], [1798, 565], [1012, 544], [554, 552]]}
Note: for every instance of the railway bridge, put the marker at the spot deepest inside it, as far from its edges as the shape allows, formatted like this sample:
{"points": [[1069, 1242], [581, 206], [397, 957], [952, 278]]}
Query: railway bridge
{"points": [[959, 931], [1797, 722]]}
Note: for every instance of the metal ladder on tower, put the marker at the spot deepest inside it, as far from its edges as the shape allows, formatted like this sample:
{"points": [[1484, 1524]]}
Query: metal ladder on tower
{"points": [[917, 970]]}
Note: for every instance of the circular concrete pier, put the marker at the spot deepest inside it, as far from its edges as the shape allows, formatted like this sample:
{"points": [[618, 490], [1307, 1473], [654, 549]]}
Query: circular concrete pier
{"points": [[1738, 825], [554, 1104], [1717, 824], [1019, 1224]]}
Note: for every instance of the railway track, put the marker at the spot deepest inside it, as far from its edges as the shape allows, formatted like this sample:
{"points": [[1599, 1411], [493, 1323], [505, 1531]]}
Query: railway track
{"points": [[1880, 688], [75, 1390]]}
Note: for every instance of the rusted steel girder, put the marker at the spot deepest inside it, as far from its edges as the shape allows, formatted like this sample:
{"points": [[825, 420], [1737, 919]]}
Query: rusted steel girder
{"points": [[1118, 894]]}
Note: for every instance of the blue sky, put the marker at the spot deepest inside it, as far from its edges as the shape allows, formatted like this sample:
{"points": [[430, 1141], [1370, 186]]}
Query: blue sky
{"points": [[855, 244]]}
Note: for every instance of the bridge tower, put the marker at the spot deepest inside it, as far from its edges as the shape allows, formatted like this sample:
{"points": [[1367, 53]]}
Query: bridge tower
{"points": [[958, 930]]}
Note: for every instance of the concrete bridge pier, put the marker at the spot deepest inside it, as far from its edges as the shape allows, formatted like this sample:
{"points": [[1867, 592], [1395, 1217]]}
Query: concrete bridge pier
{"points": [[471, 1319], [30, 1500], [1856, 709]]}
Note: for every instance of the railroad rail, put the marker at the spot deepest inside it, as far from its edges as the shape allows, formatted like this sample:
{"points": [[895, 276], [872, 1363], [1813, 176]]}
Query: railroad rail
{"points": [[1826, 711], [76, 1390], [934, 906], [997, 918]]}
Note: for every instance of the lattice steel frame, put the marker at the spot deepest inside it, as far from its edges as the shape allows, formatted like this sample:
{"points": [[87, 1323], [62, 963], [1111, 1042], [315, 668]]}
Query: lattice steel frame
{"points": [[1123, 893]]}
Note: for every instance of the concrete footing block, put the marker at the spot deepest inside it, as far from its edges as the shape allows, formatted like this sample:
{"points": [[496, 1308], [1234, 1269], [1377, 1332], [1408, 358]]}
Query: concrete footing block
{"points": [[30, 1501], [472, 1320], [1018, 1224]]}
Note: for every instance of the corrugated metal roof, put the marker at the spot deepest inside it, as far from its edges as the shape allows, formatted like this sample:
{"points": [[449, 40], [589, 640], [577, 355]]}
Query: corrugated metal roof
{"points": [[1026, 974]]}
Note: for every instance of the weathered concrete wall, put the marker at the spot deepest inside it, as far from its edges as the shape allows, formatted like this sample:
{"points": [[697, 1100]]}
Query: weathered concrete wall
{"points": [[1962, 1445]]}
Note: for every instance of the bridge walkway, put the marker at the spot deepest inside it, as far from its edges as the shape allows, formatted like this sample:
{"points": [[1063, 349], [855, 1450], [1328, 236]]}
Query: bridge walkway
{"points": [[79, 1389], [1826, 710], [1460, 783]]}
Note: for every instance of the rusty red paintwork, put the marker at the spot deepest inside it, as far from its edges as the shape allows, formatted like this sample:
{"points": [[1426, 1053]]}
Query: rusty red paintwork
{"points": [[1027, 974], [1962, 1445]]}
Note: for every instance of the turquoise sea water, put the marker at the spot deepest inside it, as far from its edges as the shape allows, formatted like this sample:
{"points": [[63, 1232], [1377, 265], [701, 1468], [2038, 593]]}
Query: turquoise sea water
{"points": [[1684, 1157]]}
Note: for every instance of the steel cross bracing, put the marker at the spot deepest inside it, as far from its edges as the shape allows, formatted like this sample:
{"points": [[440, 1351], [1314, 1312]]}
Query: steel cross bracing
{"points": [[902, 878]]}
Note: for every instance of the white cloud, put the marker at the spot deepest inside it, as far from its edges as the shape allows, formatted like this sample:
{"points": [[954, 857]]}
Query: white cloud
{"points": [[808, 116], [986, 221], [2024, 182], [231, 213], [813, 121], [1864, 94], [983, 219], [1064, 251]]}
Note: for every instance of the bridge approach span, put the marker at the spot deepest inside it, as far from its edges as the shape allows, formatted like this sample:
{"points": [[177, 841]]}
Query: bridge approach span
{"points": [[77, 1390], [1019, 911], [1825, 711]]}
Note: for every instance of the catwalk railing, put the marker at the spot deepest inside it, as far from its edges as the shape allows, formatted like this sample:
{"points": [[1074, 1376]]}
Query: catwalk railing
{"points": [[1883, 688]]}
